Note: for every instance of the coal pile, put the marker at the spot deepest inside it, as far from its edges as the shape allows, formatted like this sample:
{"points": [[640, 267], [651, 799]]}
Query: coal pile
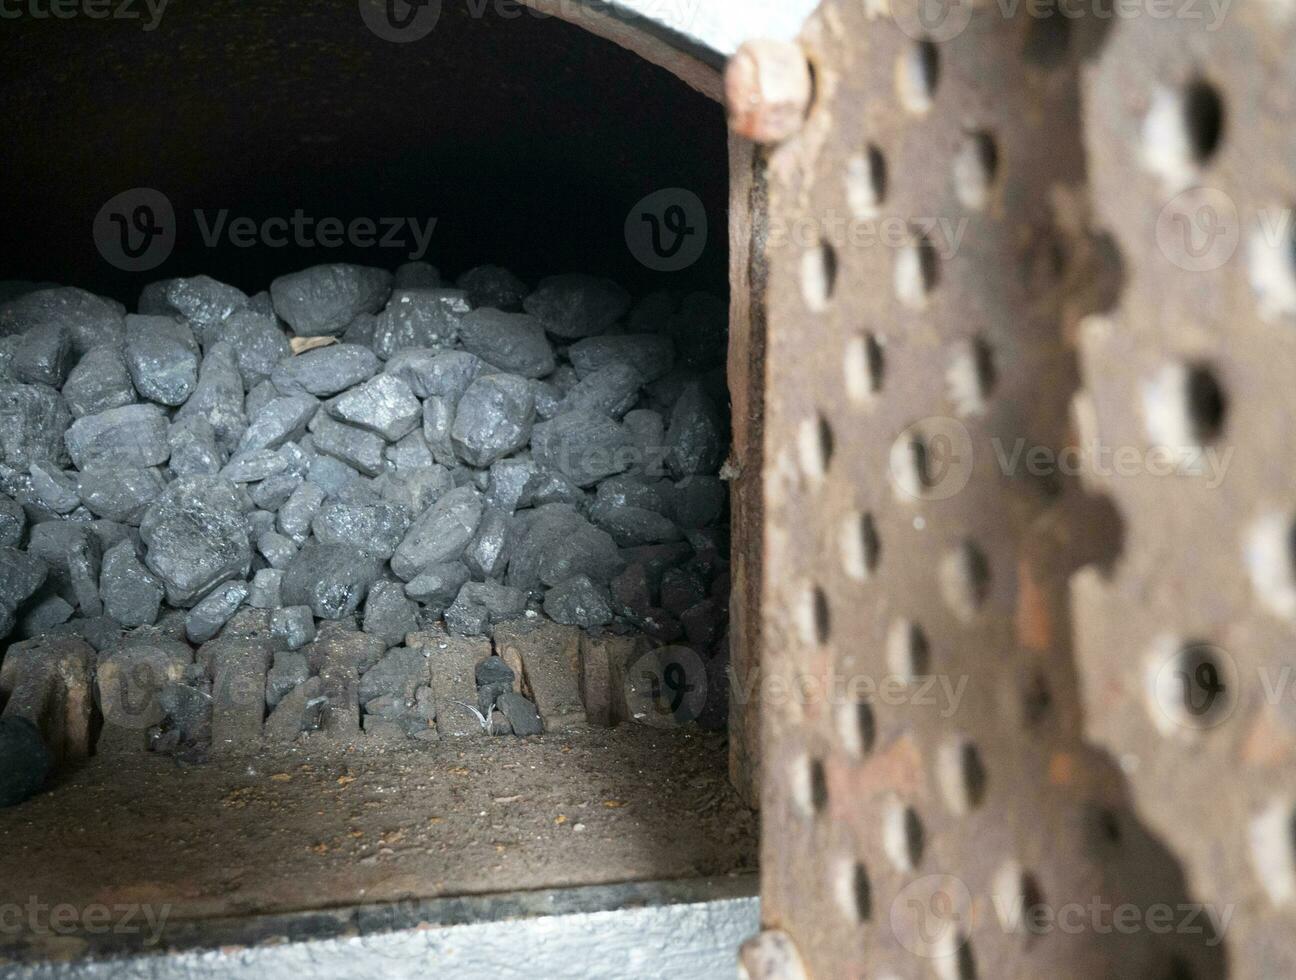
{"points": [[379, 451]]}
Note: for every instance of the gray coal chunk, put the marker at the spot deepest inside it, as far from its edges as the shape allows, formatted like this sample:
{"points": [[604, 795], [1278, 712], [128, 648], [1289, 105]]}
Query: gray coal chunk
{"points": [[551, 487], [259, 522], [13, 522], [558, 543], [699, 501], [131, 594], [700, 330], [578, 602], [438, 421], [507, 482], [588, 550], [323, 300], [388, 614], [681, 589], [43, 614], [512, 342], [481, 605], [293, 626], [377, 528], [43, 355], [280, 420], [631, 594], [332, 579], [487, 553], [194, 451], [399, 674], [494, 677], [360, 330], [290, 670], [575, 306], [440, 534], [54, 488], [493, 419], [656, 558], [296, 515], [521, 714], [358, 448], [25, 762], [548, 398], [197, 537], [493, 286], [90, 320], [652, 355], [209, 616], [99, 381], [611, 391], [259, 343], [162, 357], [219, 395], [253, 466], [631, 490], [121, 493], [331, 475], [21, 575], [273, 492], [266, 591], [134, 435], [702, 623], [583, 446], [277, 549], [419, 318], [417, 490], [432, 372], [437, 585], [384, 404], [33, 420], [101, 632], [201, 300], [258, 397], [325, 371], [410, 452], [417, 275], [631, 526], [697, 441], [647, 432]]}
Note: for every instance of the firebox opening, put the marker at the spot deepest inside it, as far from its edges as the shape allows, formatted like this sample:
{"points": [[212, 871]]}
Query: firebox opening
{"points": [[288, 548]]}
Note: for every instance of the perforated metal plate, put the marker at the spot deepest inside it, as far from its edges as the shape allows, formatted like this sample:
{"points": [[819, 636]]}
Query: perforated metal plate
{"points": [[989, 376]]}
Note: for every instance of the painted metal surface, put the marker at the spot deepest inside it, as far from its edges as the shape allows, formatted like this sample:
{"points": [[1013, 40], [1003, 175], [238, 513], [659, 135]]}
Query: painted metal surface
{"points": [[661, 930]]}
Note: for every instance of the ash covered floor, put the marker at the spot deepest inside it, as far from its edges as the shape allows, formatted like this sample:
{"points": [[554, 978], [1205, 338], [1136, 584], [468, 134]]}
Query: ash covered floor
{"points": [[314, 826]]}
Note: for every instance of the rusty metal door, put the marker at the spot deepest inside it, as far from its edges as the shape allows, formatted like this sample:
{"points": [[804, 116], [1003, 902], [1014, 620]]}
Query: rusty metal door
{"points": [[1028, 581]]}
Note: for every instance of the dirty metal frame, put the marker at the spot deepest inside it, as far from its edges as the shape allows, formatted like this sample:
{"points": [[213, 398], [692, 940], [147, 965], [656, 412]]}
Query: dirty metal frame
{"points": [[1090, 265]]}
